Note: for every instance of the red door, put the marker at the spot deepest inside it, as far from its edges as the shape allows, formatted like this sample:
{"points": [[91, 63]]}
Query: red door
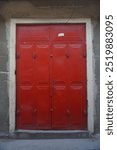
{"points": [[51, 77]]}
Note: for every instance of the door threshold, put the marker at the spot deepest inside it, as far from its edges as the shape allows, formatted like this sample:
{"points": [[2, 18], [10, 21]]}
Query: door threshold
{"points": [[51, 131], [51, 134]]}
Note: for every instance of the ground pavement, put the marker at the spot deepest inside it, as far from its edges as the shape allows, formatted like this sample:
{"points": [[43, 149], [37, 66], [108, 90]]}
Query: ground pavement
{"points": [[50, 144]]}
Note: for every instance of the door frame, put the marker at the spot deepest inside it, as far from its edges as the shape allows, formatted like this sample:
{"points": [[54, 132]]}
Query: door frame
{"points": [[12, 66]]}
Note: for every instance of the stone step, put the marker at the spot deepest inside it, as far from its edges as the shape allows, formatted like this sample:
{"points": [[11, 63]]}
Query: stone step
{"points": [[53, 134]]}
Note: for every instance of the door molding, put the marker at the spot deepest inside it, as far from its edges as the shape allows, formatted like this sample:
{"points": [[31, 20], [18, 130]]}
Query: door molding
{"points": [[12, 66]]}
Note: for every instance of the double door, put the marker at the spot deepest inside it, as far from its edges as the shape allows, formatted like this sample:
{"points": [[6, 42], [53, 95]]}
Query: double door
{"points": [[51, 77]]}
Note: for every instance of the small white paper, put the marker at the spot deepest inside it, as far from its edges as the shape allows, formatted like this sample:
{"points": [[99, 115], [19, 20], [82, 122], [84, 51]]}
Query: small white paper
{"points": [[61, 34]]}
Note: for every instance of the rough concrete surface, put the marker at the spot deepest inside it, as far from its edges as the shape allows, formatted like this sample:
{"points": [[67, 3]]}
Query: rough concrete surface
{"points": [[45, 9], [3, 78], [54, 144], [96, 48]]}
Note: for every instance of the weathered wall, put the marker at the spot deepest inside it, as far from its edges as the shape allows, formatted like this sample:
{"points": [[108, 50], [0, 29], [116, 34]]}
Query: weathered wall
{"points": [[3, 77], [96, 47], [45, 9]]}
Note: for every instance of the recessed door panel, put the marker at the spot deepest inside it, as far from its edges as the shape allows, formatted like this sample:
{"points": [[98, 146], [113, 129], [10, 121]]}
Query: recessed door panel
{"points": [[77, 84], [60, 102], [24, 88], [42, 82]]}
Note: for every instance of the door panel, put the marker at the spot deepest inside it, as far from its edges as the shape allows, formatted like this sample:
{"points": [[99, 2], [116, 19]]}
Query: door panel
{"points": [[77, 82], [69, 76], [33, 71], [42, 81], [32, 33], [24, 88], [67, 32], [60, 101]]}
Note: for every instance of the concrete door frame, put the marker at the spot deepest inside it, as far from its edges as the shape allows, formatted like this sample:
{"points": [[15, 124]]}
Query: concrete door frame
{"points": [[12, 66]]}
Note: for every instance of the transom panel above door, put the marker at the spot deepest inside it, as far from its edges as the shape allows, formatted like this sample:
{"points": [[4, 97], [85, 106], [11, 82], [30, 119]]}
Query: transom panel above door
{"points": [[51, 82]]}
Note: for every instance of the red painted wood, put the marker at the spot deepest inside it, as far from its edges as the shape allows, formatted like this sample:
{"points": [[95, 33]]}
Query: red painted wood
{"points": [[51, 77]]}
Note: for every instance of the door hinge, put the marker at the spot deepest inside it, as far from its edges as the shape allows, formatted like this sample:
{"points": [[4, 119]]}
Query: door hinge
{"points": [[15, 72]]}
